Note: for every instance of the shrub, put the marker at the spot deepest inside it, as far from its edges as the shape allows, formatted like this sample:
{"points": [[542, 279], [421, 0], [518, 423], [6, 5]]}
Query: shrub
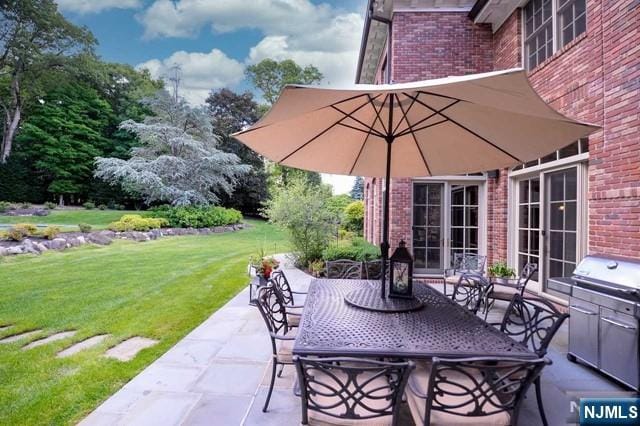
{"points": [[501, 270], [102, 207], [89, 205], [49, 205], [197, 217], [3, 235], [119, 206], [135, 222], [4, 206], [50, 232], [25, 205], [20, 231], [354, 217], [358, 249], [301, 208], [84, 227]]}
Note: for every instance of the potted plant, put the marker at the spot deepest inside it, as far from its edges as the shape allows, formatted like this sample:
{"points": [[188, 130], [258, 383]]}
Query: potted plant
{"points": [[262, 266], [501, 272], [316, 267]]}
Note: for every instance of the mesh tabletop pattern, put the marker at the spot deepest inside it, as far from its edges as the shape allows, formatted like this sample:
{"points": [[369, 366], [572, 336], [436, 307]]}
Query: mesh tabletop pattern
{"points": [[330, 326]]}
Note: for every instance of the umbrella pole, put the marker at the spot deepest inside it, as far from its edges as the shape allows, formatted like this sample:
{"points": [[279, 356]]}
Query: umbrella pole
{"points": [[384, 246]]}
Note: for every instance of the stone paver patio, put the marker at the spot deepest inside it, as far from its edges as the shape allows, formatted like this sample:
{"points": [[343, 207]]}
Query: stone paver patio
{"points": [[216, 376]]}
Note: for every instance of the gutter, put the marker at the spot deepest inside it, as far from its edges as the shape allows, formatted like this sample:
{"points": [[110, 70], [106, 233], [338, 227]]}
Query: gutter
{"points": [[477, 8], [365, 39]]}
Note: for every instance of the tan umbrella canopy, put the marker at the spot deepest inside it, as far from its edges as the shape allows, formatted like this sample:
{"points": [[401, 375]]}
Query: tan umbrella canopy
{"points": [[436, 127]]}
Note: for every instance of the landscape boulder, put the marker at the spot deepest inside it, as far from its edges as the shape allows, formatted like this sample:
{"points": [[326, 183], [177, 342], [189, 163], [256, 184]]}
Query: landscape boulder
{"points": [[99, 238]]}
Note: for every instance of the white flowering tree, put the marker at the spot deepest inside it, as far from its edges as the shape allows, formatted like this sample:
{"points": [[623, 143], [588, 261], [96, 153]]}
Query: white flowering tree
{"points": [[177, 161]]}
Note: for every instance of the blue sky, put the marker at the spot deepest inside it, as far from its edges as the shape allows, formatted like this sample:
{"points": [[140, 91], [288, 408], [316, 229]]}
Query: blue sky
{"points": [[214, 40]]}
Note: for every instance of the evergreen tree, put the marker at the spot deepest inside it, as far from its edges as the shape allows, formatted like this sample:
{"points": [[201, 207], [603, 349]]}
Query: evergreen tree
{"points": [[357, 191]]}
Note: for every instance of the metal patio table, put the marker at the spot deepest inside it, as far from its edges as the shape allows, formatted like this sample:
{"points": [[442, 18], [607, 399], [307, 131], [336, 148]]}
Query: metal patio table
{"points": [[331, 327]]}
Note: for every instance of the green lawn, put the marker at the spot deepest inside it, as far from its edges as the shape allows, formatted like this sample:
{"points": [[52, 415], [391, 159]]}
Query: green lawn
{"points": [[159, 289], [69, 219]]}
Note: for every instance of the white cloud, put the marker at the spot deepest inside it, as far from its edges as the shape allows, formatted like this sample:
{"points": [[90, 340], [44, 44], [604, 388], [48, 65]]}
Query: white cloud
{"points": [[96, 6], [308, 33], [341, 184], [199, 72]]}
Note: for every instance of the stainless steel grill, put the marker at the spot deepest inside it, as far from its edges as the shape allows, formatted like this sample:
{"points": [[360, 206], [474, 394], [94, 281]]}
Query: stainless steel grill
{"points": [[604, 306]]}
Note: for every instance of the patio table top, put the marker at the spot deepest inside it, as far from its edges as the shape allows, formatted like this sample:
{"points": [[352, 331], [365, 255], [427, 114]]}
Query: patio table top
{"points": [[331, 327]]}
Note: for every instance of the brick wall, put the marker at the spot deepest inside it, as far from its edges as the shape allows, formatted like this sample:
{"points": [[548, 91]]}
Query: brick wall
{"points": [[596, 78]]}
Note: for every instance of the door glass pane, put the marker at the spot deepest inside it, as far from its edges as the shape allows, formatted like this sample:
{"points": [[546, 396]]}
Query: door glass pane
{"points": [[427, 225], [464, 219], [457, 216], [524, 191], [556, 215], [524, 216], [528, 222], [556, 185], [570, 246], [556, 245]]}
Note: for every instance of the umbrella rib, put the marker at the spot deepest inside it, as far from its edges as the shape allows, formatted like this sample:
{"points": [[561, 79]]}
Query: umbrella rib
{"points": [[364, 142], [377, 111], [413, 101], [368, 132], [465, 128], [350, 115], [412, 127], [320, 134], [415, 140]]}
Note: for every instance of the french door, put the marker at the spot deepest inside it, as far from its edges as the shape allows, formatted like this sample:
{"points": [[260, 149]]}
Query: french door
{"points": [[446, 220]]}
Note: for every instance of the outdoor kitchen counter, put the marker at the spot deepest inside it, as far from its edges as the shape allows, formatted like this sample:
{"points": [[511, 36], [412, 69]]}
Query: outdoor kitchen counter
{"points": [[331, 327]]}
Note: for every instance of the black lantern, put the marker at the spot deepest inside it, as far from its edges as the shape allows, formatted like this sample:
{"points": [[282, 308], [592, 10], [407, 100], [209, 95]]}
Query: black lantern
{"points": [[401, 273]]}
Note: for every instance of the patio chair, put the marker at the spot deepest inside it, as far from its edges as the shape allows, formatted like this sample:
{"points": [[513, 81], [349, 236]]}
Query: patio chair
{"points": [[463, 263], [471, 291], [351, 391], [280, 279], [533, 322], [344, 269], [505, 291], [293, 312], [373, 269], [274, 315], [471, 391]]}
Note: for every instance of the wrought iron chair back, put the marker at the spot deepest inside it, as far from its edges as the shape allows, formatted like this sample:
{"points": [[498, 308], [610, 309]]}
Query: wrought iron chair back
{"points": [[525, 275], [373, 269], [351, 388], [280, 281], [533, 322], [480, 387], [471, 291], [344, 269], [468, 262], [272, 310]]}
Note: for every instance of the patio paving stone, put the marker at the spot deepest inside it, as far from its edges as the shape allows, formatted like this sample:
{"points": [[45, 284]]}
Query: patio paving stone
{"points": [[219, 375], [219, 410]]}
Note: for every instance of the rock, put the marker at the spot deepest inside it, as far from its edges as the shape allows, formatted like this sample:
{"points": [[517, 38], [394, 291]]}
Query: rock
{"points": [[191, 231], [218, 229], [3, 251], [41, 213], [72, 242], [15, 250], [28, 247], [58, 244], [140, 236], [99, 238], [107, 233], [204, 231], [40, 247], [154, 234], [82, 239]]}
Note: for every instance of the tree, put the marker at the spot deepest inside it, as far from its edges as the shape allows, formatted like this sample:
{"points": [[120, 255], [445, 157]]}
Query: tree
{"points": [[357, 191], [270, 76], [178, 161], [301, 209], [34, 39], [62, 137], [354, 217], [231, 112]]}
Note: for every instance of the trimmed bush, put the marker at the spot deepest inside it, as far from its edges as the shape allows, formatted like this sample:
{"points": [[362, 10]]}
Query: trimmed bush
{"points": [[50, 232], [358, 249], [197, 217], [25, 205], [4, 206], [89, 205], [84, 227], [102, 207], [50, 206], [20, 231], [135, 222], [354, 217]]}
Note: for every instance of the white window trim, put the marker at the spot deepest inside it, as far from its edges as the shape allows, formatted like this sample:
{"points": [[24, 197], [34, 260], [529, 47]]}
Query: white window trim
{"points": [[483, 199], [582, 223]]}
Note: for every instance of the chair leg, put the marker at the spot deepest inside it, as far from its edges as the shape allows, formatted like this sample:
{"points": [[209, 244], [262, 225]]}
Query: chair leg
{"points": [[281, 370], [273, 379], [539, 398]]}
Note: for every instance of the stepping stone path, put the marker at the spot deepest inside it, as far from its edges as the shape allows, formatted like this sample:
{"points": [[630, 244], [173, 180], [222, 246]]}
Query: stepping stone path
{"points": [[17, 337], [128, 349], [80, 346], [53, 338], [4, 327]]}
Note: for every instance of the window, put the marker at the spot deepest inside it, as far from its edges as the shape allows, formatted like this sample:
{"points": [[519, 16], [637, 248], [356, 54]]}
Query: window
{"points": [[464, 219], [579, 147], [572, 19], [529, 223], [549, 25], [538, 32]]}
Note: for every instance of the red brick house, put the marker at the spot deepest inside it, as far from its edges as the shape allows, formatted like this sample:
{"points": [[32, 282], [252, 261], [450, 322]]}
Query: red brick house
{"points": [[583, 57]]}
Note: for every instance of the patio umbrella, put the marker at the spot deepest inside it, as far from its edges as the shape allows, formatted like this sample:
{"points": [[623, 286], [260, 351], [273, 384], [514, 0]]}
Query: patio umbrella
{"points": [[438, 127]]}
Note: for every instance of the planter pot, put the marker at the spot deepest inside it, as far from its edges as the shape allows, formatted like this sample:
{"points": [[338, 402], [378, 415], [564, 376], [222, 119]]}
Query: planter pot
{"points": [[501, 280]]}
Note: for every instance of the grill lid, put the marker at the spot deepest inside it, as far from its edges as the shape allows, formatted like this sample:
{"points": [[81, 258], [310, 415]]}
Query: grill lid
{"points": [[609, 270]]}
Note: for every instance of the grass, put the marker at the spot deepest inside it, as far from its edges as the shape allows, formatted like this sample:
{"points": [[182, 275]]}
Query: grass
{"points": [[69, 219], [159, 289]]}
